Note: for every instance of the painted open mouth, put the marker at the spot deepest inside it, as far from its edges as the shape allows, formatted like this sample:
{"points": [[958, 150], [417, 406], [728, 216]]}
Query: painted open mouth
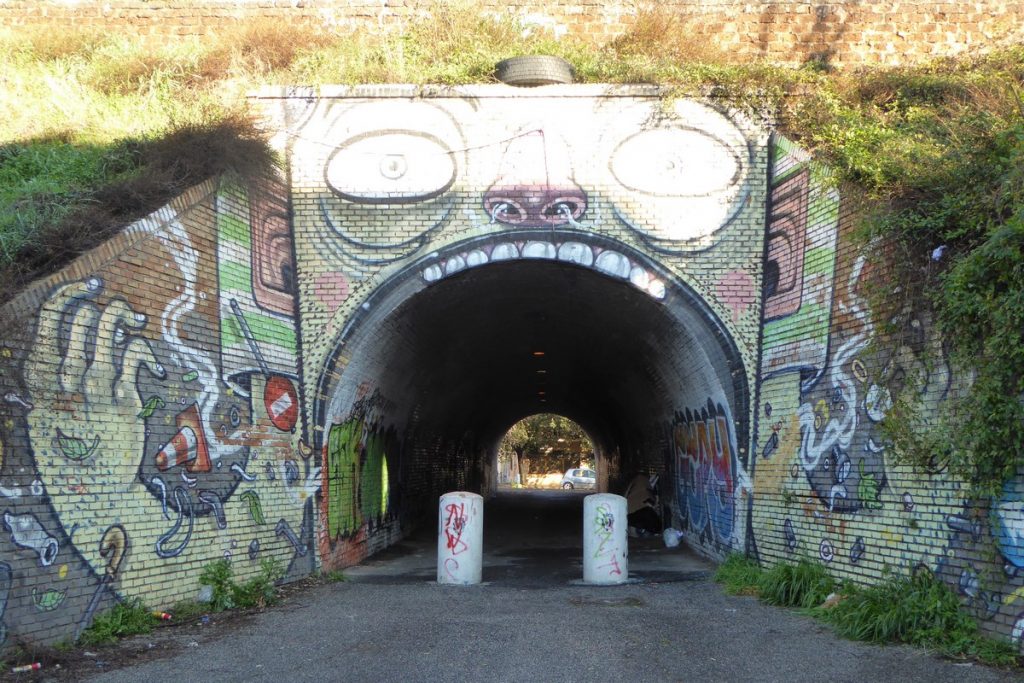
{"points": [[585, 250]]}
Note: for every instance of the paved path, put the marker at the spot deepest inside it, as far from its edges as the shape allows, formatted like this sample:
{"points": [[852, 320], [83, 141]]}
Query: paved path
{"points": [[530, 623]]}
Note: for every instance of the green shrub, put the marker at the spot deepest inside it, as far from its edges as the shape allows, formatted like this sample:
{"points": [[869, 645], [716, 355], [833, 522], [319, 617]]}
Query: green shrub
{"points": [[126, 618], [218, 576], [334, 576], [258, 591]]}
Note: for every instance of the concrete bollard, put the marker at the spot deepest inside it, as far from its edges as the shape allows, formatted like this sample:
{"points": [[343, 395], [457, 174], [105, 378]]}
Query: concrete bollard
{"points": [[605, 548], [460, 538]]}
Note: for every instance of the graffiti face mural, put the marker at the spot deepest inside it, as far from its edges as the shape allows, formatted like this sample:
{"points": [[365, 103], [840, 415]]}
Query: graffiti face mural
{"points": [[206, 385], [401, 194]]}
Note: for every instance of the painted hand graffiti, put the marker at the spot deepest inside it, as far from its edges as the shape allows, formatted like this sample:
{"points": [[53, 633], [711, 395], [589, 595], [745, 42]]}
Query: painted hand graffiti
{"points": [[87, 358]]}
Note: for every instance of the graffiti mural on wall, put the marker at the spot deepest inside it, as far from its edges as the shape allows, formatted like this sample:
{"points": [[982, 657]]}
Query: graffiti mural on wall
{"points": [[708, 474], [399, 193], [385, 182], [800, 265], [178, 400], [827, 485], [357, 482]]}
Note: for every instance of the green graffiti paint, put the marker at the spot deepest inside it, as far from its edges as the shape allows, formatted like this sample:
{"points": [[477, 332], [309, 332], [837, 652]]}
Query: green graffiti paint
{"points": [[255, 507], [373, 489], [868, 489], [152, 404], [74, 448], [47, 601], [343, 446]]}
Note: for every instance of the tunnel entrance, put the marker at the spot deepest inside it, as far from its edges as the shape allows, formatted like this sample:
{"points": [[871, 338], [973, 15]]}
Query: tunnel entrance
{"points": [[441, 361], [545, 450]]}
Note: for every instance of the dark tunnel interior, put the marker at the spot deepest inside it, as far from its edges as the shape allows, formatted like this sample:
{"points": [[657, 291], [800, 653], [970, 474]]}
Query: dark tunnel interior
{"points": [[456, 363]]}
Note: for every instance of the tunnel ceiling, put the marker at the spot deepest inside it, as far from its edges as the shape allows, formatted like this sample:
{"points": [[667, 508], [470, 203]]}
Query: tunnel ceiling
{"points": [[462, 354]]}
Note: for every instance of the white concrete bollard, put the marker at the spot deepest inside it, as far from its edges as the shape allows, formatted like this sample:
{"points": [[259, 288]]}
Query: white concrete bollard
{"points": [[605, 548], [460, 538]]}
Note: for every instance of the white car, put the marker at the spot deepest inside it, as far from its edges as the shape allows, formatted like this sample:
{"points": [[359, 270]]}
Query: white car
{"points": [[579, 478]]}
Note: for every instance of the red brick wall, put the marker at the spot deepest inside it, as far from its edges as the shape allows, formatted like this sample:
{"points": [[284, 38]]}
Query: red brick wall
{"points": [[848, 32]]}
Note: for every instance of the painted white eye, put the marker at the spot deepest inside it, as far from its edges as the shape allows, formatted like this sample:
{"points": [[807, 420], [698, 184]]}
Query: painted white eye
{"points": [[675, 162], [391, 167]]}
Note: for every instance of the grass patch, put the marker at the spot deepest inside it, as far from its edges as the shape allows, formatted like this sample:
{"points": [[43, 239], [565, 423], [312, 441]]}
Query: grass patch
{"points": [[187, 610], [59, 198], [918, 610], [126, 618], [805, 584], [334, 576], [739, 575]]}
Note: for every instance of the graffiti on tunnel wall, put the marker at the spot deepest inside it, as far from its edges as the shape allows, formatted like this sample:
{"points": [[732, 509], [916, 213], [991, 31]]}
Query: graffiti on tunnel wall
{"points": [[398, 194], [187, 394], [827, 486], [709, 476], [356, 482], [454, 183], [153, 418]]}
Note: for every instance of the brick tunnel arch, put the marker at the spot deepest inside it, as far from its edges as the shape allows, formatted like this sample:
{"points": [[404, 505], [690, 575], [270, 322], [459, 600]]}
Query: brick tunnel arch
{"points": [[442, 359]]}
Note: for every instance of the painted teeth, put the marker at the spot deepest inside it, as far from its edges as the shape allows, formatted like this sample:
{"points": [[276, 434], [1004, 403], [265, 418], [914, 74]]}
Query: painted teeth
{"points": [[576, 252], [432, 273], [454, 265], [476, 258], [639, 277], [656, 289], [504, 252], [539, 250], [609, 262], [613, 263]]}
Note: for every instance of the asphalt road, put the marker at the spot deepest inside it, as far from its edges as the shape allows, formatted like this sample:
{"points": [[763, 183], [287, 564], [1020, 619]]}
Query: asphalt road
{"points": [[529, 622]]}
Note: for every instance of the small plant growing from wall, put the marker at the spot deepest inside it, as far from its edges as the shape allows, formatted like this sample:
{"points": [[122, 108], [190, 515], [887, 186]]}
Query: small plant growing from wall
{"points": [[126, 618], [225, 594]]}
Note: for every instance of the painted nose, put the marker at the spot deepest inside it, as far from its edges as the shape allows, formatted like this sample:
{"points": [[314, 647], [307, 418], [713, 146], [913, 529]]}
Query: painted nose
{"points": [[535, 186]]}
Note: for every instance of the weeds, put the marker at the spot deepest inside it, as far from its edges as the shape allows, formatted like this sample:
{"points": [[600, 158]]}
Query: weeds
{"points": [[334, 576], [187, 610], [58, 199], [126, 618], [919, 610], [258, 591], [805, 584], [739, 575]]}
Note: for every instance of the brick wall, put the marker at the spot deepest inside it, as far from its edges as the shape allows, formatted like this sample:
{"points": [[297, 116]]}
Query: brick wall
{"points": [[151, 417], [846, 32], [297, 372]]}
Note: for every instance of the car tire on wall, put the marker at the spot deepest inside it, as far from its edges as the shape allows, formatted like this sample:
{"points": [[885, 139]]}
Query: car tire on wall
{"points": [[534, 70]]}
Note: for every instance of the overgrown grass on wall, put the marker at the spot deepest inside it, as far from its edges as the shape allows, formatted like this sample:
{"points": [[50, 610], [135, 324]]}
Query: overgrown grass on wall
{"points": [[938, 147]]}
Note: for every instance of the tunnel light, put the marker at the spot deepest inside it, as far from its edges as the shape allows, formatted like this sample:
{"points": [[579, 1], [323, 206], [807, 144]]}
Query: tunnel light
{"points": [[538, 353], [542, 372], [540, 393]]}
